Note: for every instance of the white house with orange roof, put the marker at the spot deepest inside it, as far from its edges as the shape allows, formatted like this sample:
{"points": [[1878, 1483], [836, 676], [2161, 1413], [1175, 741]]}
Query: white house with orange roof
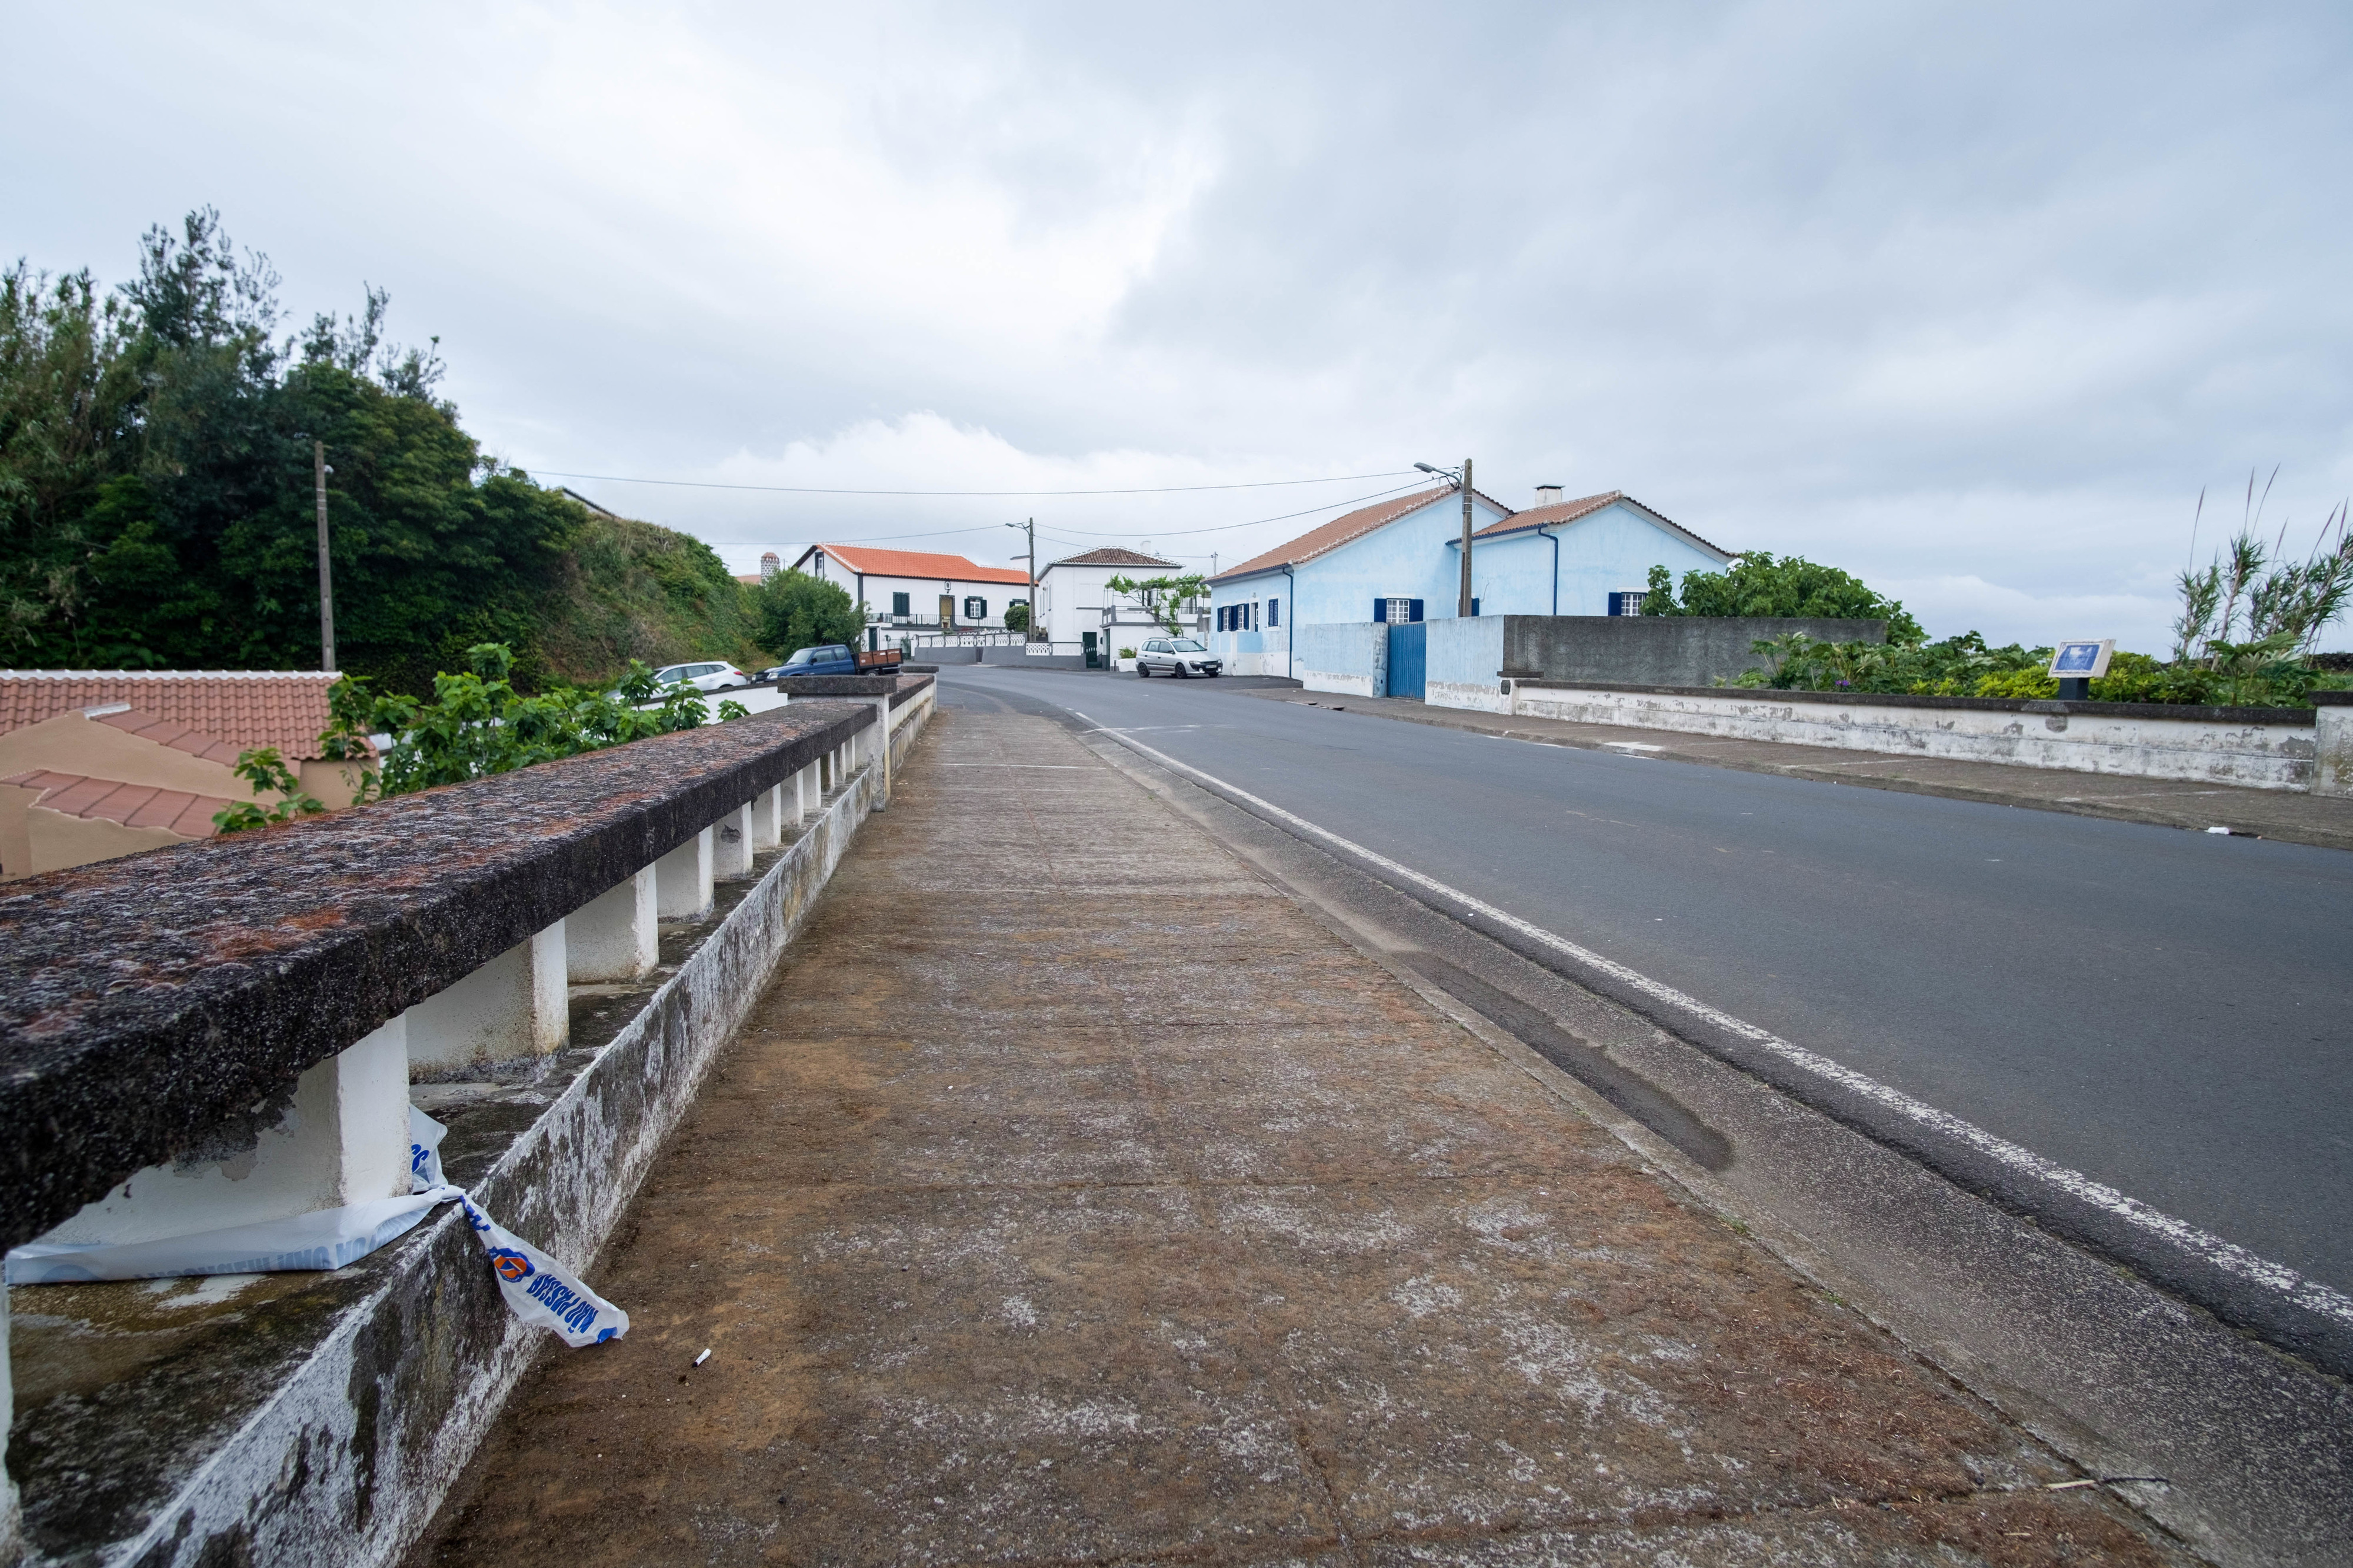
{"points": [[915, 593], [1078, 607], [1400, 561], [100, 763]]}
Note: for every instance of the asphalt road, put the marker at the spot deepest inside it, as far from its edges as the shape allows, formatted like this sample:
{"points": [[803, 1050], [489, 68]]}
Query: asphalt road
{"points": [[2165, 1012]]}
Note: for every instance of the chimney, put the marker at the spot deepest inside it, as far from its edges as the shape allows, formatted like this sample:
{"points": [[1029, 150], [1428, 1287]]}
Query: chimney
{"points": [[1547, 495]]}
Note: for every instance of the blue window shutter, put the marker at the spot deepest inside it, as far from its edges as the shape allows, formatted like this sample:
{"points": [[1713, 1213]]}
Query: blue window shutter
{"points": [[1416, 610], [1380, 609], [1474, 606]]}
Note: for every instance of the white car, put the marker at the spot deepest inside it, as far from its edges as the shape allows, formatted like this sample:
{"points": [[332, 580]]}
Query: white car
{"points": [[702, 677], [1177, 656]]}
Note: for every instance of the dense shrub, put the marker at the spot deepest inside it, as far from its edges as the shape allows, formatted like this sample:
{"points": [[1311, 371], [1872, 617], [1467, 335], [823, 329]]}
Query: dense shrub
{"points": [[478, 724], [1758, 585], [798, 611]]}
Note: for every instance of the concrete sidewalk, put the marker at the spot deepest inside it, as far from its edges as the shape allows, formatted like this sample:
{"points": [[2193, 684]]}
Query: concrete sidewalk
{"points": [[2162, 803], [1072, 1196]]}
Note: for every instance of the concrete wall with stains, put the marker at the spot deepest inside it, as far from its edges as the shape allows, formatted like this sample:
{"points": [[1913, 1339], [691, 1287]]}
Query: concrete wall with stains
{"points": [[323, 1418], [2263, 748]]}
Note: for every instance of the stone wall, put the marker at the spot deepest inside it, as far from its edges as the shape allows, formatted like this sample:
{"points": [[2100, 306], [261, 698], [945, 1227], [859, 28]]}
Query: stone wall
{"points": [[2263, 748], [1467, 656], [1657, 650]]}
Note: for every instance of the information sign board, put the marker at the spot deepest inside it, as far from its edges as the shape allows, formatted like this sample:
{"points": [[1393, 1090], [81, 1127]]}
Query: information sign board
{"points": [[2082, 658]]}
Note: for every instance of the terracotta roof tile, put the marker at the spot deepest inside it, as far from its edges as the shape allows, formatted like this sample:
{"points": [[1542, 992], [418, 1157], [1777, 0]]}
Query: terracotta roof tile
{"points": [[211, 714], [919, 563], [121, 802], [1113, 555], [197, 821], [110, 800], [1330, 536], [1570, 510]]}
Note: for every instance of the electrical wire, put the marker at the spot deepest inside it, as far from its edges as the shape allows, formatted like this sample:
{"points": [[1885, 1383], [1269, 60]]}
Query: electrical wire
{"points": [[827, 491], [1077, 536]]}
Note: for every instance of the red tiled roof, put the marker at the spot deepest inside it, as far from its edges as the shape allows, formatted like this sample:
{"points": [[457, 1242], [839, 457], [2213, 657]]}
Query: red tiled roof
{"points": [[919, 563], [179, 737], [1570, 510], [109, 800], [193, 709], [1351, 525], [1113, 555]]}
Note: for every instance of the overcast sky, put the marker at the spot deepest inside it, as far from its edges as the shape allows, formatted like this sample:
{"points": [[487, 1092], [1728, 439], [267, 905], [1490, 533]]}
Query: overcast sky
{"points": [[1969, 299]]}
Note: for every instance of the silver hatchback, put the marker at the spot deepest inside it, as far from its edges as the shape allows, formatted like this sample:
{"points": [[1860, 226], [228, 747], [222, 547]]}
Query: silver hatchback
{"points": [[1177, 655]]}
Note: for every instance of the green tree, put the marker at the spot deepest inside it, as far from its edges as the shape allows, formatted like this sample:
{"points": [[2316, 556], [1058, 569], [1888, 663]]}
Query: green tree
{"points": [[1758, 585], [1017, 617], [1164, 598], [155, 481], [798, 611]]}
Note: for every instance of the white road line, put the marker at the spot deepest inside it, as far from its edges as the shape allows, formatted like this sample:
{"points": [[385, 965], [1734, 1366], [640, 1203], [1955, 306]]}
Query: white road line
{"points": [[2227, 1255]]}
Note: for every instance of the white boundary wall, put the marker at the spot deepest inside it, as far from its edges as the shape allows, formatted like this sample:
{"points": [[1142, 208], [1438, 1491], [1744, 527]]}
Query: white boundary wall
{"points": [[1347, 656], [2249, 752]]}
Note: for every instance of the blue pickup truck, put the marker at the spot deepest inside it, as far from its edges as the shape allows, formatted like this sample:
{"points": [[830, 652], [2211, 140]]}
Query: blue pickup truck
{"points": [[833, 659]]}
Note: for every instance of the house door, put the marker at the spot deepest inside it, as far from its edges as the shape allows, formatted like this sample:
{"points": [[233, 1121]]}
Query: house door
{"points": [[1409, 646], [947, 609], [1087, 641]]}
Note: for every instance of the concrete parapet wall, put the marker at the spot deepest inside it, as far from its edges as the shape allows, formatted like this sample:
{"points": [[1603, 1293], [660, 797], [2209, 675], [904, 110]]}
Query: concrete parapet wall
{"points": [[2263, 748], [2332, 763], [149, 1003], [1656, 650], [326, 1424], [1347, 656]]}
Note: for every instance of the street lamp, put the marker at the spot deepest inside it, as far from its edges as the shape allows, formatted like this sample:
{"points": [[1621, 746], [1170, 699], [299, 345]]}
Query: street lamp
{"points": [[1463, 479]]}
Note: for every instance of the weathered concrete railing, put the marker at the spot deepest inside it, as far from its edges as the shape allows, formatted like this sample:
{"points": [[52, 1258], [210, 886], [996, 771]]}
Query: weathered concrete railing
{"points": [[226, 1033], [2263, 748]]}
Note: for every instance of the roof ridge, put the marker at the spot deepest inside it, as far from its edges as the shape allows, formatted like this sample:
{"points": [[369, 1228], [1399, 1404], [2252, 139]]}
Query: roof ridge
{"points": [[171, 674], [1350, 526], [1581, 506]]}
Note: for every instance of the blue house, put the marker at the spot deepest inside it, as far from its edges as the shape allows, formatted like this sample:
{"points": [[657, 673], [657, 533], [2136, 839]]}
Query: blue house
{"points": [[1401, 561]]}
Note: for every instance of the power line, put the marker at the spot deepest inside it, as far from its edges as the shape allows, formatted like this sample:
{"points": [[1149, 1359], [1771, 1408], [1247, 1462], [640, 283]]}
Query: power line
{"points": [[1075, 536], [827, 491], [1225, 527]]}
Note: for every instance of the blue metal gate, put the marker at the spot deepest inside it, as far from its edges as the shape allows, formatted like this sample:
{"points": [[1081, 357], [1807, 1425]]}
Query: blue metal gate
{"points": [[1407, 661]]}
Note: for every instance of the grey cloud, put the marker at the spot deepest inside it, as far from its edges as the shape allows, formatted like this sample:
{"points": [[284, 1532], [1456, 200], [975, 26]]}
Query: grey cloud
{"points": [[1940, 293]]}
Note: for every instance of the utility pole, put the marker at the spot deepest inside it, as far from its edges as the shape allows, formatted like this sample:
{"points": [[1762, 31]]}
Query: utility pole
{"points": [[1463, 609], [1032, 529], [326, 578]]}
